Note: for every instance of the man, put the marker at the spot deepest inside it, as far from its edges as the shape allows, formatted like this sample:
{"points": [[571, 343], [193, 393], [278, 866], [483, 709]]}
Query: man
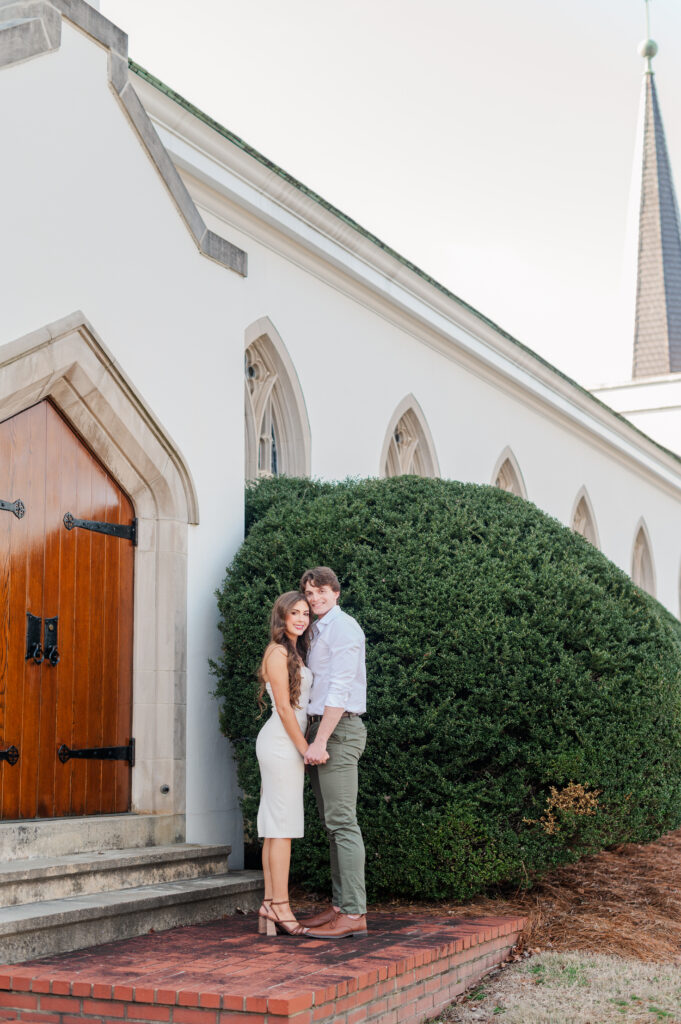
{"points": [[337, 737]]}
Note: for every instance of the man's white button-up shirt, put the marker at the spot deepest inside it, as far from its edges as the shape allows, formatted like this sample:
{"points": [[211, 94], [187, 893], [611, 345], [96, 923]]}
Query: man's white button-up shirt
{"points": [[337, 661]]}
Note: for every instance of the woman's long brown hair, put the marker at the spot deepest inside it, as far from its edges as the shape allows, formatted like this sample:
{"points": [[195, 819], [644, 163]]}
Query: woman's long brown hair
{"points": [[296, 654]]}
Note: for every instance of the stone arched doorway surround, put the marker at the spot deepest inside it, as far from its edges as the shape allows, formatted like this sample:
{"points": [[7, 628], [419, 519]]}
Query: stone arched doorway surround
{"points": [[582, 518], [507, 475], [67, 363], [418, 455], [274, 396], [642, 564]]}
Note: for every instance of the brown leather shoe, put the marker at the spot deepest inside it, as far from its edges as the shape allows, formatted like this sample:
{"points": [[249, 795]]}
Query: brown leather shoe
{"points": [[321, 917], [341, 927]]}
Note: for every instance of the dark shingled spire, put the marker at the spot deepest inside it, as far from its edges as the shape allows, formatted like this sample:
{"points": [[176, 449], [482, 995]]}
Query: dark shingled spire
{"points": [[657, 336]]}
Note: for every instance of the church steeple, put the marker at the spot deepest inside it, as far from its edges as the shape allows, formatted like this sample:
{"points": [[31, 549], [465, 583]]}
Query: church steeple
{"points": [[657, 336]]}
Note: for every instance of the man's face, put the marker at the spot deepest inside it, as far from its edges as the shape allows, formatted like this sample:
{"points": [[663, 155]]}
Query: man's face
{"points": [[321, 599]]}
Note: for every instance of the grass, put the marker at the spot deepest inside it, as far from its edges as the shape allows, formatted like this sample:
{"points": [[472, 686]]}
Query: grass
{"points": [[573, 988]]}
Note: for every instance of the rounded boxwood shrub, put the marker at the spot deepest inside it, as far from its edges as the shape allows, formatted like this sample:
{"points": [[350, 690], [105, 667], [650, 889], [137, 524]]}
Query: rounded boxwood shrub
{"points": [[524, 697]]}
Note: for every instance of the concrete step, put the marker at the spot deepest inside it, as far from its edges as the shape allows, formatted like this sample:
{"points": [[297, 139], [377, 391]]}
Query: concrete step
{"points": [[49, 878], [35, 930], [60, 837]]}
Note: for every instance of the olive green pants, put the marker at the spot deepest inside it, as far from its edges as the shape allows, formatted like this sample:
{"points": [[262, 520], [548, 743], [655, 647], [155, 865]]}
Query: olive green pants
{"points": [[335, 788]]}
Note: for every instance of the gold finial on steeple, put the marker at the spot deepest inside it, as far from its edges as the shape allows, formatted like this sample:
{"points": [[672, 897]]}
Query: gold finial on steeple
{"points": [[648, 48]]}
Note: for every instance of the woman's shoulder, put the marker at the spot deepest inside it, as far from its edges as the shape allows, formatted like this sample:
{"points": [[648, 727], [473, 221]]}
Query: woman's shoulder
{"points": [[274, 652]]}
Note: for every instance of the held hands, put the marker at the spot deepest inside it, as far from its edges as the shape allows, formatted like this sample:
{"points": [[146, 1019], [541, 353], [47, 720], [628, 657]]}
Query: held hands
{"points": [[316, 753]]}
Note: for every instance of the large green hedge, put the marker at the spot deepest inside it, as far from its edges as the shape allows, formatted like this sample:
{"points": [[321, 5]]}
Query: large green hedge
{"points": [[524, 698]]}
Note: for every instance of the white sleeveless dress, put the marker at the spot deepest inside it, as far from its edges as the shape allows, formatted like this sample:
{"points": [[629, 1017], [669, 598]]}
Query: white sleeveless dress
{"points": [[282, 770]]}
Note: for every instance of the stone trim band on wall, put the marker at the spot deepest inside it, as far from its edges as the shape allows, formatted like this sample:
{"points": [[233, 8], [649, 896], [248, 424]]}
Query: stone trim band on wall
{"points": [[33, 27], [67, 363]]}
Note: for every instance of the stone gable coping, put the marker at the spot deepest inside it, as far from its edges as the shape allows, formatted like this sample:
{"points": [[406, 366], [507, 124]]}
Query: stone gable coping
{"points": [[27, 29], [30, 28]]}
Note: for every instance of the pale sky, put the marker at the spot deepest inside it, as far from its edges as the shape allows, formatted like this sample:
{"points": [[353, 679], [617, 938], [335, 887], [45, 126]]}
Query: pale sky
{"points": [[489, 142]]}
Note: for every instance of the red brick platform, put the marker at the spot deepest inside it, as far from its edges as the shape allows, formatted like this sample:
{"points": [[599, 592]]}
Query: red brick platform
{"points": [[405, 971]]}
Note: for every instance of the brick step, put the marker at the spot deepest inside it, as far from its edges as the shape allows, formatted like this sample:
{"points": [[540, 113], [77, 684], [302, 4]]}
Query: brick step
{"points": [[75, 922], [49, 878], [405, 971]]}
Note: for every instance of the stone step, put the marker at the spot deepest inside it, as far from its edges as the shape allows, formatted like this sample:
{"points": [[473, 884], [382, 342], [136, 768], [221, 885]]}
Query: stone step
{"points": [[49, 878], [35, 930], [60, 837]]}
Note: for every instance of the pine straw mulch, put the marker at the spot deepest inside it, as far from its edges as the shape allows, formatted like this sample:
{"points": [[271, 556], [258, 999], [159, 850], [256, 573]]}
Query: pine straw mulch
{"points": [[625, 901]]}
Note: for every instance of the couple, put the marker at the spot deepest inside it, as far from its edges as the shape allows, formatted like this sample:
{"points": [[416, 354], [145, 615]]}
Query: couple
{"points": [[315, 676]]}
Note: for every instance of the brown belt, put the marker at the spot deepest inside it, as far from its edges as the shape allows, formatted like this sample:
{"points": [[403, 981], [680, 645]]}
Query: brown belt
{"points": [[346, 714]]}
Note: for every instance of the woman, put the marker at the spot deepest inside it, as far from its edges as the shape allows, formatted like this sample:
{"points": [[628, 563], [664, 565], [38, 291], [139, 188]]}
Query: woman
{"points": [[280, 747]]}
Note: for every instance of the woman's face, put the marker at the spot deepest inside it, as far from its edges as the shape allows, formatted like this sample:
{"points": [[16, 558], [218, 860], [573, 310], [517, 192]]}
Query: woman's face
{"points": [[297, 620]]}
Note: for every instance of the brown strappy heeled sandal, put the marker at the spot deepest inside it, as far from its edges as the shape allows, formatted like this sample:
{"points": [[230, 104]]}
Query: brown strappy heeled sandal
{"points": [[263, 918], [288, 927]]}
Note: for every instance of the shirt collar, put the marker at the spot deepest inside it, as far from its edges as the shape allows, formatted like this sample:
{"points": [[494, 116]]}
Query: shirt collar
{"points": [[326, 619]]}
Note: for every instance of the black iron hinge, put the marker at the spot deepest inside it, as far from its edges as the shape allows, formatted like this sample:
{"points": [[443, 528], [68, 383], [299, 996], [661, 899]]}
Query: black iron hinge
{"points": [[11, 755], [17, 507], [97, 526], [99, 753]]}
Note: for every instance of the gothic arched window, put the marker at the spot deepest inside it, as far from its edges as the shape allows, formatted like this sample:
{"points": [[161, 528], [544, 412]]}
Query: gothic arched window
{"points": [[642, 569], [277, 427], [408, 446], [583, 519], [507, 476]]}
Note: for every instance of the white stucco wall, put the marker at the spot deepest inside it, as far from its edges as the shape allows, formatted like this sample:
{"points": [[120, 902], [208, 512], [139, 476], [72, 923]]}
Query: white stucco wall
{"points": [[89, 225]]}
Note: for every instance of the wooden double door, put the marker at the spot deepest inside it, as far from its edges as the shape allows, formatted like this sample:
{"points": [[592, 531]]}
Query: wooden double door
{"points": [[66, 617]]}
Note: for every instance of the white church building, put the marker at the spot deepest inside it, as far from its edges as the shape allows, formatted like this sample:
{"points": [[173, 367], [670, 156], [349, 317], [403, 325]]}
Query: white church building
{"points": [[178, 315]]}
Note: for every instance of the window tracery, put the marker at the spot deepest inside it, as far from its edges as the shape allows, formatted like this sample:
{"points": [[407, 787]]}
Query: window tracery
{"points": [[583, 521], [508, 479], [409, 447], [277, 434], [642, 570]]}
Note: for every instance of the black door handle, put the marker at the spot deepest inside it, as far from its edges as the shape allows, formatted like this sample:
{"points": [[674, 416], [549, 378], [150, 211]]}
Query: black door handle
{"points": [[34, 648], [50, 642], [48, 649]]}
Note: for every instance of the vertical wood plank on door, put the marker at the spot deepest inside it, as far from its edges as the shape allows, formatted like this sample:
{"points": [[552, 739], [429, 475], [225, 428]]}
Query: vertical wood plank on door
{"points": [[100, 645], [67, 708], [109, 665], [30, 457], [83, 711], [51, 675], [16, 436]]}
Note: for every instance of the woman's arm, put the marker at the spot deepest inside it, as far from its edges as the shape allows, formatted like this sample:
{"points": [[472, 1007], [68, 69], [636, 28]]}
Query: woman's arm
{"points": [[275, 668]]}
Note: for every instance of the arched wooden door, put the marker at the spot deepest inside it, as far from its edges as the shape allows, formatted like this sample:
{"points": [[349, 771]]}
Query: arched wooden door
{"points": [[65, 706]]}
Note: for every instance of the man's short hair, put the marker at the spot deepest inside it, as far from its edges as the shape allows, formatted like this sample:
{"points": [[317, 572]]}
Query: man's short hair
{"points": [[321, 576]]}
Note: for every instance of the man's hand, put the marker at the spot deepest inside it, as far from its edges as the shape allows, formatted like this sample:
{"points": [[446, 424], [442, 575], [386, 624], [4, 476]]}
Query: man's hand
{"points": [[316, 753]]}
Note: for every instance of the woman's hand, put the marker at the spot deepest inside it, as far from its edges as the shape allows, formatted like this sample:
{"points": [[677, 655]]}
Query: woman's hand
{"points": [[316, 753]]}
